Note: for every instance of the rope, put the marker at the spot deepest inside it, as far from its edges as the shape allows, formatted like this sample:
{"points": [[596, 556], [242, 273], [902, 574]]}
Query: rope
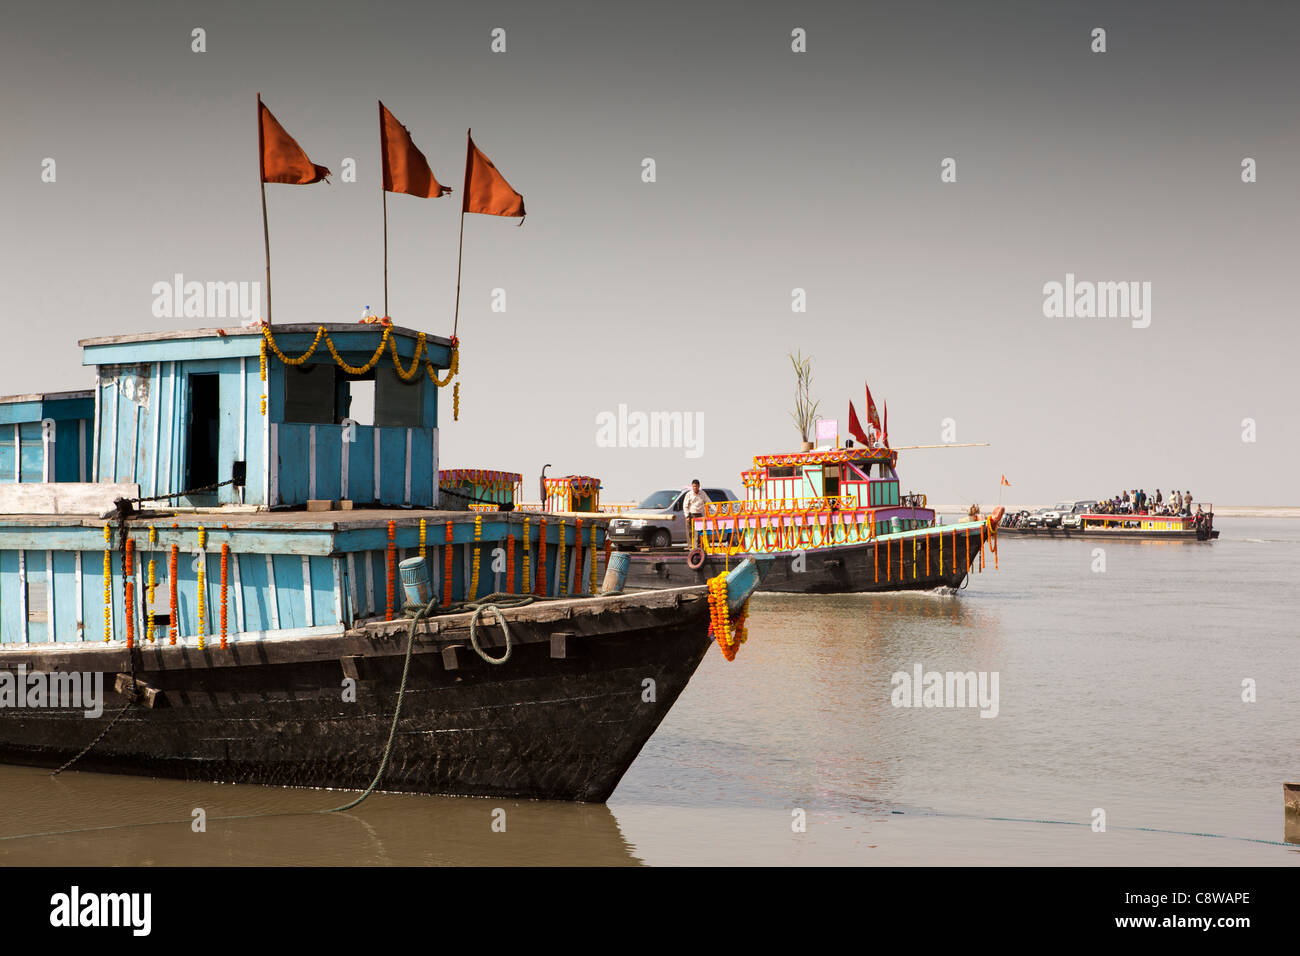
{"points": [[416, 613], [420, 613], [473, 635]]}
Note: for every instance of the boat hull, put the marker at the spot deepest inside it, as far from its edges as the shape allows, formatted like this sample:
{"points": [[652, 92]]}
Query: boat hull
{"points": [[1120, 534], [562, 719], [842, 569]]}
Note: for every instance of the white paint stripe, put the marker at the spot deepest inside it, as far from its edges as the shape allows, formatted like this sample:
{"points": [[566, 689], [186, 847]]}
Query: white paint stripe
{"points": [[407, 493], [274, 603], [156, 414], [18, 457], [239, 595], [81, 601], [370, 582], [46, 458], [309, 608], [49, 594], [113, 419], [352, 586], [433, 499], [266, 440], [273, 497], [347, 454], [135, 447], [22, 593], [311, 462], [94, 448], [376, 462], [338, 591], [243, 419]]}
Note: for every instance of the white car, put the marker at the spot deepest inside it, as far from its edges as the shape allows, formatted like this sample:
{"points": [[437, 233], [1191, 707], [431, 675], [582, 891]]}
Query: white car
{"points": [[1074, 520]]}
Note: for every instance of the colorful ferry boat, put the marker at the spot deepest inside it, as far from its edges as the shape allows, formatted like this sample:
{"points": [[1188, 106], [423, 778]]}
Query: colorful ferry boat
{"points": [[210, 536], [832, 521], [1127, 527]]}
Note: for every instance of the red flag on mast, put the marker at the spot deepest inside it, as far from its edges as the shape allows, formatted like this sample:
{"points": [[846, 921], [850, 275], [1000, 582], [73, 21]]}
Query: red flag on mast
{"points": [[486, 190], [404, 167], [283, 160], [873, 416], [855, 426]]}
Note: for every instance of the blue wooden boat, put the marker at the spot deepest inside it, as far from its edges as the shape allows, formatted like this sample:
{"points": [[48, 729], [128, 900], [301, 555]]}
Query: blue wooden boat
{"points": [[211, 532]]}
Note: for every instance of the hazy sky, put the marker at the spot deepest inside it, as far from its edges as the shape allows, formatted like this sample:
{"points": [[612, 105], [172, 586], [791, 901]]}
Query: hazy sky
{"points": [[775, 170]]}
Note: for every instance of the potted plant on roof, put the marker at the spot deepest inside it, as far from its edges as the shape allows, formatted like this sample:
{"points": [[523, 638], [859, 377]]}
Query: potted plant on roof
{"points": [[805, 409]]}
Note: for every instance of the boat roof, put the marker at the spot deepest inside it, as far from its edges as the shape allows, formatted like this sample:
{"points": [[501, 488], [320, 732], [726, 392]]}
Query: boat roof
{"points": [[47, 396], [237, 330], [827, 456]]}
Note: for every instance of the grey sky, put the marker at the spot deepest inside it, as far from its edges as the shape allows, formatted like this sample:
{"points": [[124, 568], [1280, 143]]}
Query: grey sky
{"points": [[775, 170]]}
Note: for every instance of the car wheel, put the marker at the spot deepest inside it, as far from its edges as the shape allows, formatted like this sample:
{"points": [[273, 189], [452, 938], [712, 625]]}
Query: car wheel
{"points": [[661, 539]]}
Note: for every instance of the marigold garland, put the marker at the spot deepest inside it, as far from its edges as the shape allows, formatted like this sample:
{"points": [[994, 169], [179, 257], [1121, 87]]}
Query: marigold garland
{"points": [[472, 595], [386, 342], [729, 635], [526, 585], [560, 562], [151, 585], [447, 568], [201, 574], [392, 570], [128, 591], [539, 587], [594, 586], [108, 585], [225, 589], [172, 565]]}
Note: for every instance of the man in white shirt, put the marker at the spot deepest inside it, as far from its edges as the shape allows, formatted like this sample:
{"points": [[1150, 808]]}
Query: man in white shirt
{"points": [[693, 507]]}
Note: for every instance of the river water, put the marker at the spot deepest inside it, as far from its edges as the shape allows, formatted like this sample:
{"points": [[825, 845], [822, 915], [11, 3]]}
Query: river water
{"points": [[1119, 690]]}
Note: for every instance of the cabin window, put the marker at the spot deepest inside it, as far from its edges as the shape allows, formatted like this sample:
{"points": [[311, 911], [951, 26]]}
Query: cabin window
{"points": [[785, 471], [361, 401], [311, 394], [398, 403], [204, 440]]}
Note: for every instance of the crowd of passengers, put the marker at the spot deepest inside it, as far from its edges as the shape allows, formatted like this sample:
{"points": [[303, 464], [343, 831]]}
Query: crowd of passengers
{"points": [[1138, 502]]}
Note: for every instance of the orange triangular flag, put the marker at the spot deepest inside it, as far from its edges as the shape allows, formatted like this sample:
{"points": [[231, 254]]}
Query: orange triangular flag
{"points": [[283, 160], [405, 168], [486, 190]]}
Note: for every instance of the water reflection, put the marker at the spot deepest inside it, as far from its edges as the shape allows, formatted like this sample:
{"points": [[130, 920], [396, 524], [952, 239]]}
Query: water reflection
{"points": [[388, 829]]}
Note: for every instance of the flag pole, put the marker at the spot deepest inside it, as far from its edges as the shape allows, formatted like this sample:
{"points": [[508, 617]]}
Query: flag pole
{"points": [[266, 232], [384, 193], [460, 254]]}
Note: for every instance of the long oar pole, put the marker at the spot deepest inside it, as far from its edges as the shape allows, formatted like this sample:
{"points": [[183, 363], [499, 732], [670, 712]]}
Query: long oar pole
{"points": [[460, 254], [266, 232]]}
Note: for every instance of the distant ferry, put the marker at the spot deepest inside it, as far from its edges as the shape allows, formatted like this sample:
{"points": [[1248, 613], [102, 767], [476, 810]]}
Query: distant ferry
{"points": [[1075, 519]]}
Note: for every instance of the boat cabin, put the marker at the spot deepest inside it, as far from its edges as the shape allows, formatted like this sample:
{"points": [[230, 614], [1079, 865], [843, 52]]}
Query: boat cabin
{"points": [[572, 494], [215, 416], [479, 489], [46, 437]]}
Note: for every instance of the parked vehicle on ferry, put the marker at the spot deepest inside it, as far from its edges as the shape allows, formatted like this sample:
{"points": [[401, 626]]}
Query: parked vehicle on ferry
{"points": [[658, 522]]}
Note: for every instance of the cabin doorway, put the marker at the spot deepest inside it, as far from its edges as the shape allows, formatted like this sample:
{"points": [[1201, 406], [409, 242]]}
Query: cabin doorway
{"points": [[205, 407], [831, 481]]}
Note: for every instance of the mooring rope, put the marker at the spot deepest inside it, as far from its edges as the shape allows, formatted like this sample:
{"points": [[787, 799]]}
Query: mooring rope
{"points": [[416, 612]]}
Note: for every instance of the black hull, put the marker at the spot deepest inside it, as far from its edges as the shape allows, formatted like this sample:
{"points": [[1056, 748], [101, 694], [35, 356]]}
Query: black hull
{"points": [[845, 569], [562, 719]]}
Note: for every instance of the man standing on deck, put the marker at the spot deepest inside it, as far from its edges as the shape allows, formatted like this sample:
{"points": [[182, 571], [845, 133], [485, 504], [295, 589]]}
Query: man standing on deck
{"points": [[693, 505]]}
